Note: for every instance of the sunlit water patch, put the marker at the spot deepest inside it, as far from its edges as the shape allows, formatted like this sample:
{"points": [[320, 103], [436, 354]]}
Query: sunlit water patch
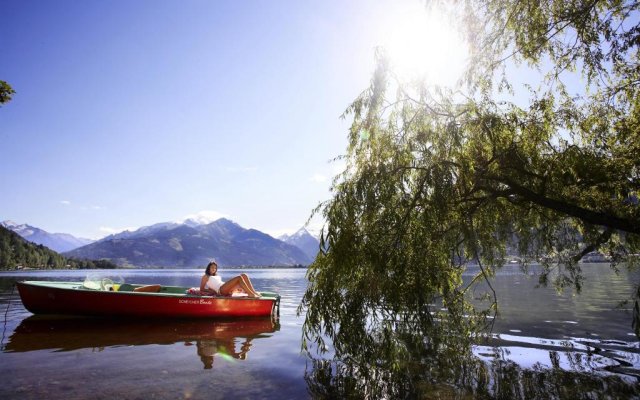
{"points": [[571, 354]]}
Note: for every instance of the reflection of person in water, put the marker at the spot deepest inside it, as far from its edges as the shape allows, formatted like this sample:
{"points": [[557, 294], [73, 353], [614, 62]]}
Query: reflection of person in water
{"points": [[208, 348]]}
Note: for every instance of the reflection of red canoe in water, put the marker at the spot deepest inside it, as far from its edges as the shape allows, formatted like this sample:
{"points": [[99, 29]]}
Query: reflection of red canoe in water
{"points": [[74, 298], [64, 333]]}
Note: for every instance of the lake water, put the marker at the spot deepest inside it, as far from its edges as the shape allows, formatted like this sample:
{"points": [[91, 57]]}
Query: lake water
{"points": [[76, 358]]}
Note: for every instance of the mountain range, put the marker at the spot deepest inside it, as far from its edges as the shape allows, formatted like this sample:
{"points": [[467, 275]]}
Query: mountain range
{"points": [[187, 244], [59, 242], [304, 241], [18, 253]]}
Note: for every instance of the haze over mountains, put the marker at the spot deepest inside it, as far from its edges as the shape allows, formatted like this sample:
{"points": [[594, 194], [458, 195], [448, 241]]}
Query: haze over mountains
{"points": [[185, 245]]}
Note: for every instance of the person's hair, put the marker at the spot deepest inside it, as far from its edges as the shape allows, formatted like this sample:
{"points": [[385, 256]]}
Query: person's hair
{"points": [[207, 271]]}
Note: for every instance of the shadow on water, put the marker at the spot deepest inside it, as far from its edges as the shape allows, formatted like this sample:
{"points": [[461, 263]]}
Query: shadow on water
{"points": [[224, 338], [504, 367], [544, 345]]}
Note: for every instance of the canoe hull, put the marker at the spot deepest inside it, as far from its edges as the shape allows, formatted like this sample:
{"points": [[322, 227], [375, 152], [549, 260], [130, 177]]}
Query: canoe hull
{"points": [[67, 299]]}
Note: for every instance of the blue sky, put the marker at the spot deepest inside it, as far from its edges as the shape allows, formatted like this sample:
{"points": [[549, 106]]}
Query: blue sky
{"points": [[129, 113]]}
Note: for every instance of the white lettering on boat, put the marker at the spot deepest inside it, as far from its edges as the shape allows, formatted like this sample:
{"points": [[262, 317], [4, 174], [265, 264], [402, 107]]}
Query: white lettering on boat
{"points": [[194, 301]]}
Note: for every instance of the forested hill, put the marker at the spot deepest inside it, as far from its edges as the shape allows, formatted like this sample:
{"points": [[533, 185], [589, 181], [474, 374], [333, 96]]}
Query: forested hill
{"points": [[16, 252]]}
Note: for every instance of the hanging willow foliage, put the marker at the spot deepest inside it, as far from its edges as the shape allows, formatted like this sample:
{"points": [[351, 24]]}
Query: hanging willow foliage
{"points": [[436, 180]]}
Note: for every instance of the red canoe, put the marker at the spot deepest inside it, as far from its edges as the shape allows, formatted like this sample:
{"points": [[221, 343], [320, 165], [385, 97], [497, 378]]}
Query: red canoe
{"points": [[75, 298]]}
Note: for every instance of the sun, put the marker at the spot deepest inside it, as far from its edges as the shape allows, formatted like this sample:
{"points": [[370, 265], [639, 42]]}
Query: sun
{"points": [[423, 44]]}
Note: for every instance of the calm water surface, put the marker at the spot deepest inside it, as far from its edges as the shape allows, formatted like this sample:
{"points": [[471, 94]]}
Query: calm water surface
{"points": [[110, 358]]}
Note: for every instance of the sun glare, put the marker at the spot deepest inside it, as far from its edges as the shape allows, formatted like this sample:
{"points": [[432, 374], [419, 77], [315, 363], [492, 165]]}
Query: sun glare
{"points": [[422, 44]]}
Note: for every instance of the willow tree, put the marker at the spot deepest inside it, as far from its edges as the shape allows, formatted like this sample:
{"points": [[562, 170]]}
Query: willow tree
{"points": [[437, 178]]}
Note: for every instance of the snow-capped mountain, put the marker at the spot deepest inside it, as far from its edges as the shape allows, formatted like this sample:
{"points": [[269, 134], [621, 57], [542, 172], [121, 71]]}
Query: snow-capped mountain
{"points": [[303, 240], [59, 242], [189, 244], [142, 232]]}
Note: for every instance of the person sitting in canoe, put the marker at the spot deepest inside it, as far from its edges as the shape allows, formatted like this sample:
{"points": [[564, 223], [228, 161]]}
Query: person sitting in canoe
{"points": [[212, 283]]}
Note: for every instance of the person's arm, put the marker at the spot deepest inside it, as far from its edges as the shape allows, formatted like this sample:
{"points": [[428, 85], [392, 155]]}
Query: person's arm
{"points": [[203, 283]]}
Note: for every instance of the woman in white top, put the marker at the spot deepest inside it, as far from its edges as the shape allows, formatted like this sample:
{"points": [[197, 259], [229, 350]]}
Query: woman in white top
{"points": [[212, 283]]}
